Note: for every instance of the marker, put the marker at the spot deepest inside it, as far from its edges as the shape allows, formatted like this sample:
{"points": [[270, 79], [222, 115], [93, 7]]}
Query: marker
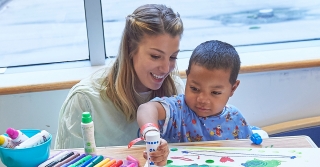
{"points": [[35, 140], [74, 160], [55, 158], [96, 160], [17, 136], [52, 163], [55, 155], [6, 142], [102, 162], [87, 162], [131, 158], [75, 155], [82, 160], [131, 165], [108, 164], [117, 164]]}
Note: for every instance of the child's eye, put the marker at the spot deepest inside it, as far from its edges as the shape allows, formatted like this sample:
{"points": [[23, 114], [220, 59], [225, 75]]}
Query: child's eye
{"points": [[194, 89], [155, 57], [215, 93]]}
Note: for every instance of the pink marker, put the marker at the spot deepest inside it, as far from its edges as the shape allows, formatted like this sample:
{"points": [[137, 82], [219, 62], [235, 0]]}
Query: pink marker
{"points": [[17, 136], [132, 165], [131, 158]]}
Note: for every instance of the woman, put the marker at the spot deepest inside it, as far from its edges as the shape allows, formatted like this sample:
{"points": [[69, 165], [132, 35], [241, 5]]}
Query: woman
{"points": [[142, 71]]}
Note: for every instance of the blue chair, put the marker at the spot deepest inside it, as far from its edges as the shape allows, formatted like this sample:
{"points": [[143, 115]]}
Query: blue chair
{"points": [[307, 126]]}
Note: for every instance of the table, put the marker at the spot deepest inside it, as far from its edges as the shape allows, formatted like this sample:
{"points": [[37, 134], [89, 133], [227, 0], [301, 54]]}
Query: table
{"points": [[121, 152]]}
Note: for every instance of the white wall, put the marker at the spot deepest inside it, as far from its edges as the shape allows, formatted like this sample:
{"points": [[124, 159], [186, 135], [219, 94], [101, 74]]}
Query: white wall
{"points": [[37, 110], [273, 97], [264, 98]]}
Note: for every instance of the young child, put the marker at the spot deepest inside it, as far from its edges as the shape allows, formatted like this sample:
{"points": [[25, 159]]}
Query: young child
{"points": [[202, 114]]}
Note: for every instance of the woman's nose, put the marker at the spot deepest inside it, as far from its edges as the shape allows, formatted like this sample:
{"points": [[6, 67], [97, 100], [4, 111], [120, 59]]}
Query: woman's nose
{"points": [[165, 66]]}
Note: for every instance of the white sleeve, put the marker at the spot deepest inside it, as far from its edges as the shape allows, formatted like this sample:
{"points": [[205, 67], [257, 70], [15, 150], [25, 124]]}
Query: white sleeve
{"points": [[180, 85], [166, 121], [69, 129], [166, 107]]}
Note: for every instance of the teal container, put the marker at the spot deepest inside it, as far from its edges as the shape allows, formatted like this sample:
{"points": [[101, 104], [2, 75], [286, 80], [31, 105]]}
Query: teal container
{"points": [[26, 157]]}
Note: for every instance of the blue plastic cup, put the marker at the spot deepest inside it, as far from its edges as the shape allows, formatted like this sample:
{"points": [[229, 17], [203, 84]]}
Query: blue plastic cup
{"points": [[26, 157]]}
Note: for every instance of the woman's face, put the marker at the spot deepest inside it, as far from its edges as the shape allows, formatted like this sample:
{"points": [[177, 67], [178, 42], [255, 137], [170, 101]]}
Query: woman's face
{"points": [[154, 60]]}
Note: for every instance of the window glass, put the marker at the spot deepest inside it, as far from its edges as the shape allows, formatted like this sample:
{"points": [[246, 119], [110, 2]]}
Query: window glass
{"points": [[42, 31], [241, 23]]}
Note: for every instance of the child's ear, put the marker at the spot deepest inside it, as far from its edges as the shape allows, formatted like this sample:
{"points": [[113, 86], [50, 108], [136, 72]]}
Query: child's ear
{"points": [[234, 87]]}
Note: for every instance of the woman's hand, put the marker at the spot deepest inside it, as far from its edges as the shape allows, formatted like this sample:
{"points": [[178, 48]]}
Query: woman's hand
{"points": [[159, 157]]}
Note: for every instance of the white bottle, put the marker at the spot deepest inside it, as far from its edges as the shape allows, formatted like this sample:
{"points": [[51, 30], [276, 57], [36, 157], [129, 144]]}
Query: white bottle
{"points": [[17, 136], [152, 143], [87, 129], [37, 139], [6, 142]]}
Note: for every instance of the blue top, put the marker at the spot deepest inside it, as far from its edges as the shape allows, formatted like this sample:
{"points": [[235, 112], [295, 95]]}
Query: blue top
{"points": [[183, 125]]}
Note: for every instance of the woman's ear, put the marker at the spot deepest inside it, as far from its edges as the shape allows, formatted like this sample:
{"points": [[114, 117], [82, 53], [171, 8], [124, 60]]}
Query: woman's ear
{"points": [[234, 87]]}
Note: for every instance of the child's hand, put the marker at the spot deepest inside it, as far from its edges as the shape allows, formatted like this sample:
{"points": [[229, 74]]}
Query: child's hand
{"points": [[159, 157]]}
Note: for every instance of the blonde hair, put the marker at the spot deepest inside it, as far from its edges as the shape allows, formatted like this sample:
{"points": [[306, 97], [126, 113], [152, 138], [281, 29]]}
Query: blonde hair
{"points": [[150, 19]]}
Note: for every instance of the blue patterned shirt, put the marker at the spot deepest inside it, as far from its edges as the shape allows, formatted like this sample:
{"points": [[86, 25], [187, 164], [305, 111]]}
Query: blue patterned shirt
{"points": [[183, 125]]}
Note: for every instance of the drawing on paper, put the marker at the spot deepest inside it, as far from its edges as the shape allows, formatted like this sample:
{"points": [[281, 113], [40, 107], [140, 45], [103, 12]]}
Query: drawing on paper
{"points": [[191, 156]]}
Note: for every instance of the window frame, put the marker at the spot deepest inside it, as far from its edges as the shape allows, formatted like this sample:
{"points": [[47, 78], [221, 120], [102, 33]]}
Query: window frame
{"points": [[95, 32]]}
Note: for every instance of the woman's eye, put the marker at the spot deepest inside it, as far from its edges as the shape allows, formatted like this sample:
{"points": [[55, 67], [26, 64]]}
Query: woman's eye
{"points": [[215, 93], [173, 57], [155, 57]]}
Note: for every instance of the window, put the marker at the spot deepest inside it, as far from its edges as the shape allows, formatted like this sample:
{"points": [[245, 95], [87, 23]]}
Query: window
{"points": [[37, 31], [40, 32], [240, 23]]}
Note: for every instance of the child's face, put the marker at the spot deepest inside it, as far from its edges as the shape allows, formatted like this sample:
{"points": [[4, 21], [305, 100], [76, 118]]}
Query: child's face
{"points": [[207, 91]]}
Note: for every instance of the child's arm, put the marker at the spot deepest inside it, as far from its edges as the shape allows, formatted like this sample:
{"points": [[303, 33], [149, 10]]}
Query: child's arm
{"points": [[150, 112]]}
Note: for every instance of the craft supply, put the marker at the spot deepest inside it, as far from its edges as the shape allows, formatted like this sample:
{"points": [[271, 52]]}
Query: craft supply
{"points": [[81, 161], [37, 139], [75, 155], [108, 164], [131, 158], [117, 164], [53, 163], [95, 161], [55, 158], [131, 165], [6, 142], [74, 160], [87, 162], [102, 162], [17, 136], [55, 155], [152, 143], [256, 138], [87, 129]]}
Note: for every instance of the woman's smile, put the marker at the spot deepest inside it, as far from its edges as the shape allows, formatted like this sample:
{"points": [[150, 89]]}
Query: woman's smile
{"points": [[158, 78]]}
